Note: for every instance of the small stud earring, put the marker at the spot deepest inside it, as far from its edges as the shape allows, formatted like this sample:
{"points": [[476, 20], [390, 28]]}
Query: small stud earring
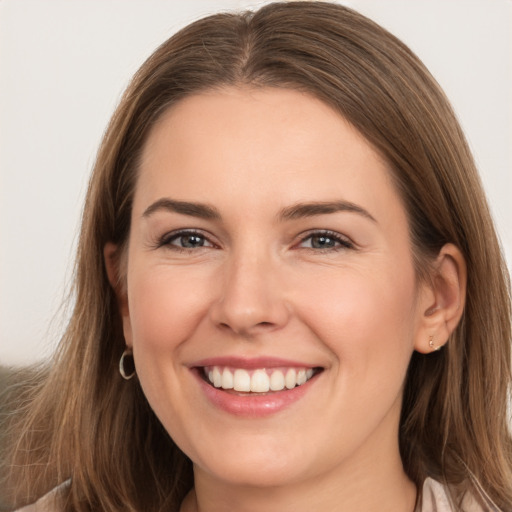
{"points": [[432, 345]]}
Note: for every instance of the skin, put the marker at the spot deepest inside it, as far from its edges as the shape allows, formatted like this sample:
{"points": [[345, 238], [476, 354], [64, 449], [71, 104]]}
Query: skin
{"points": [[256, 284]]}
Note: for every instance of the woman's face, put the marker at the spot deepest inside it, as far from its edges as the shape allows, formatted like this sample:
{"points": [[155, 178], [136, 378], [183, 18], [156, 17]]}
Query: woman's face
{"points": [[269, 247]]}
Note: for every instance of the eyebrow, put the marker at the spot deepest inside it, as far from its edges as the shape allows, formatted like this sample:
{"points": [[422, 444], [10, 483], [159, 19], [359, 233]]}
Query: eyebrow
{"points": [[297, 211], [302, 210], [200, 210]]}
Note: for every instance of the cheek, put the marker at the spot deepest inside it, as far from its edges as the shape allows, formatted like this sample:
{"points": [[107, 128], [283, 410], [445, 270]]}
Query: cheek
{"points": [[364, 316], [165, 307], [366, 319]]}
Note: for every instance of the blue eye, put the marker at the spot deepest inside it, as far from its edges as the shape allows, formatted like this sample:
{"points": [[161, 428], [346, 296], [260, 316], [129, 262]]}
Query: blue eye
{"points": [[326, 240], [191, 241], [185, 240]]}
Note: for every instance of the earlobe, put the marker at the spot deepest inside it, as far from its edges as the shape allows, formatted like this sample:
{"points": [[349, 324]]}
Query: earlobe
{"points": [[443, 300]]}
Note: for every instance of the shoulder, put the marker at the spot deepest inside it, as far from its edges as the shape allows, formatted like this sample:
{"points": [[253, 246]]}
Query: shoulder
{"points": [[51, 502], [436, 498]]}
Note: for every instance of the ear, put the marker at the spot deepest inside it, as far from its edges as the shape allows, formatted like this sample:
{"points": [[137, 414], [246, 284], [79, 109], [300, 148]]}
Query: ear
{"points": [[113, 266], [442, 300]]}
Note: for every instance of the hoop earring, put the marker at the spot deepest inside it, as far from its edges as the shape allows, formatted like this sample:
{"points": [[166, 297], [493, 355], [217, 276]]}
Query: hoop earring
{"points": [[130, 364]]}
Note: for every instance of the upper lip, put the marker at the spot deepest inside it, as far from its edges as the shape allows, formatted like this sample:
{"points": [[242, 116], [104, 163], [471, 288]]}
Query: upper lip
{"points": [[251, 362]]}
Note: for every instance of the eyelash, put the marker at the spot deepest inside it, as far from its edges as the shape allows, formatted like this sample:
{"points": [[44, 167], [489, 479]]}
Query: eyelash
{"points": [[344, 243], [165, 241]]}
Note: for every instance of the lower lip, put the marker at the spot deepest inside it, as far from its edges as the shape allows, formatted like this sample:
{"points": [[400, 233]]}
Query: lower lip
{"points": [[253, 405]]}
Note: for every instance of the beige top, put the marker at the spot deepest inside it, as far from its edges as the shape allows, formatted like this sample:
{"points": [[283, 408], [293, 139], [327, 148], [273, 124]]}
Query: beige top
{"points": [[434, 499]]}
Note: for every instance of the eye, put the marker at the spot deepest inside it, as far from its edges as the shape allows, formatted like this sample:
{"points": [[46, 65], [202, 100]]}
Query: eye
{"points": [[186, 240], [326, 240]]}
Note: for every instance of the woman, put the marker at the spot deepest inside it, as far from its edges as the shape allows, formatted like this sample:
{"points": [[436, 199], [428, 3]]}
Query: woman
{"points": [[287, 254]]}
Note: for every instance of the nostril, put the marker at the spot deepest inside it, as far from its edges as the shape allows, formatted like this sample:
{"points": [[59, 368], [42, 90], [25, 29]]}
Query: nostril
{"points": [[246, 330]]}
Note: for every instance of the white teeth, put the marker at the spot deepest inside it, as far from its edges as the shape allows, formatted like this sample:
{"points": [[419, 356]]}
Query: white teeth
{"points": [[277, 381], [227, 379], [217, 378], [258, 381], [241, 380], [290, 379]]}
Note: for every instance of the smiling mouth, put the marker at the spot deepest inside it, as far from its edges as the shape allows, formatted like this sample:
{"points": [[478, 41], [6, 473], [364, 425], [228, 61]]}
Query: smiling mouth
{"points": [[257, 381]]}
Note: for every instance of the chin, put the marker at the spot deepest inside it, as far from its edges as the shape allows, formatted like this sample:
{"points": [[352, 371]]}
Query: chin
{"points": [[249, 473], [259, 465]]}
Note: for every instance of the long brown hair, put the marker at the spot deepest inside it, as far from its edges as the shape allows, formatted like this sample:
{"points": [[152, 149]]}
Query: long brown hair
{"points": [[81, 420]]}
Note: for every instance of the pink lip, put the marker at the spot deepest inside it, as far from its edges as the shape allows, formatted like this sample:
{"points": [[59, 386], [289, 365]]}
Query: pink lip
{"points": [[246, 404], [250, 363]]}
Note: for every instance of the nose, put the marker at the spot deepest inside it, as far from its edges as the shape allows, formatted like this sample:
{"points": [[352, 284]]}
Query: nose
{"points": [[251, 298]]}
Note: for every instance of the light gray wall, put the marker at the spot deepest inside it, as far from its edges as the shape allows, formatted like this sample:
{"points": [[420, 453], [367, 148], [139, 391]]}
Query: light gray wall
{"points": [[64, 64]]}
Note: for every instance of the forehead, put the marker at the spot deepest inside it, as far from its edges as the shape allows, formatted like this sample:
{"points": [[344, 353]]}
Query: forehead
{"points": [[262, 147]]}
